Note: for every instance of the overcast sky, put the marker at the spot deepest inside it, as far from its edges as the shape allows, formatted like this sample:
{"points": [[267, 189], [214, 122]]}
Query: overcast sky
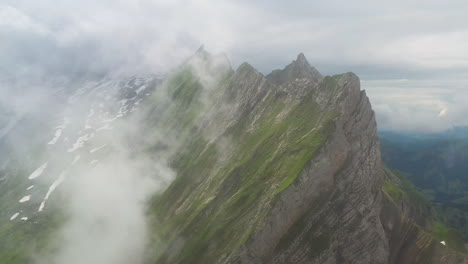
{"points": [[412, 56]]}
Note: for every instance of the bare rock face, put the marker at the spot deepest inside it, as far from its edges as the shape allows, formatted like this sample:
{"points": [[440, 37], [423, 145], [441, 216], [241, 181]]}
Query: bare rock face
{"points": [[408, 226], [331, 213], [298, 69], [287, 169], [295, 78]]}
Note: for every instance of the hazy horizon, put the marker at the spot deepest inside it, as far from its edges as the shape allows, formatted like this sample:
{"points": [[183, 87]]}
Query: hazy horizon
{"points": [[410, 56]]}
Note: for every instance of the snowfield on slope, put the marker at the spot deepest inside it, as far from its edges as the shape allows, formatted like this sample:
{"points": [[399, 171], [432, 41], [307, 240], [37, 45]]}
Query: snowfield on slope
{"points": [[38, 171]]}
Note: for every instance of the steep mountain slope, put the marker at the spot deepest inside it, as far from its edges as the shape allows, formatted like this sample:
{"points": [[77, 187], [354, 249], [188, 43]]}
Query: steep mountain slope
{"points": [[228, 188], [53, 145], [413, 234], [438, 166], [283, 169]]}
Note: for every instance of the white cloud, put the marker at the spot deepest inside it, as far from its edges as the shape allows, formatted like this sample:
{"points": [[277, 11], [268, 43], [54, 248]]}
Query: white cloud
{"points": [[428, 51], [419, 105], [391, 40], [149, 33], [13, 19]]}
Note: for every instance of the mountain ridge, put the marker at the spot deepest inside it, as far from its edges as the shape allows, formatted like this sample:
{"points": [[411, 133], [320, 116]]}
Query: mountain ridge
{"points": [[264, 203], [282, 168]]}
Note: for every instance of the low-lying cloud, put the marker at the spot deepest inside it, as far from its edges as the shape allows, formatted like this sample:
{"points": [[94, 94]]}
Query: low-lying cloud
{"points": [[419, 106], [101, 170]]}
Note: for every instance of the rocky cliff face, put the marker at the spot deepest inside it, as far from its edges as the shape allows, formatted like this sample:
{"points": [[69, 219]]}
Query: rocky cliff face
{"points": [[331, 213], [412, 233], [285, 169]]}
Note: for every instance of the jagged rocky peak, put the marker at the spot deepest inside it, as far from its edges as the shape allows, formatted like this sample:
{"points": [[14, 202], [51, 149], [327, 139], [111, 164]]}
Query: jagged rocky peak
{"points": [[202, 53], [206, 63], [298, 69], [290, 173], [201, 49], [246, 81], [246, 69], [247, 85]]}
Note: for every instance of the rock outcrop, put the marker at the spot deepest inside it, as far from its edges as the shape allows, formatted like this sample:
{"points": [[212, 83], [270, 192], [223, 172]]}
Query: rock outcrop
{"points": [[298, 69], [331, 213]]}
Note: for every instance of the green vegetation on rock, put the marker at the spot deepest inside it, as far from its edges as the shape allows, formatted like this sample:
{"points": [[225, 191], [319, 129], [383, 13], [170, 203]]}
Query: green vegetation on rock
{"points": [[437, 165], [451, 236], [226, 187]]}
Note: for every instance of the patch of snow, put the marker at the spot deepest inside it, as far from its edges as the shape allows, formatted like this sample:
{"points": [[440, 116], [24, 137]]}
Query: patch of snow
{"points": [[138, 81], [141, 89], [24, 218], [76, 159], [57, 135], [443, 243], [30, 187], [38, 171], [14, 217], [87, 125], [80, 142], [66, 121], [97, 149], [91, 113], [54, 185], [123, 102], [41, 207], [109, 120], [443, 112], [25, 199], [105, 127]]}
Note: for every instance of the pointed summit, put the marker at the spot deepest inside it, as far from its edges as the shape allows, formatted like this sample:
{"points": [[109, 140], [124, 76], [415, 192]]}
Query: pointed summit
{"points": [[201, 49], [205, 63], [201, 53], [246, 68], [301, 58], [298, 69]]}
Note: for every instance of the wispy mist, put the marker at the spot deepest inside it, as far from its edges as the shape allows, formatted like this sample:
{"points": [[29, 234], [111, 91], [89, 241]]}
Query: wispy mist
{"points": [[99, 170], [107, 202]]}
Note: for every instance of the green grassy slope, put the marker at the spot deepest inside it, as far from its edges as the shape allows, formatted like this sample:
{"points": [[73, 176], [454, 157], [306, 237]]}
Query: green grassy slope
{"points": [[439, 168], [416, 207], [225, 187]]}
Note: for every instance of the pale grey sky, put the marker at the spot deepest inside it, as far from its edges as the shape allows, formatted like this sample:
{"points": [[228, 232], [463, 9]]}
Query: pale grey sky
{"points": [[411, 55]]}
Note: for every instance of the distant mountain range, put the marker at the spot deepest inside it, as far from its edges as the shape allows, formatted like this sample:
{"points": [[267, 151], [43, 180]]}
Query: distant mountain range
{"points": [[438, 165], [457, 132]]}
